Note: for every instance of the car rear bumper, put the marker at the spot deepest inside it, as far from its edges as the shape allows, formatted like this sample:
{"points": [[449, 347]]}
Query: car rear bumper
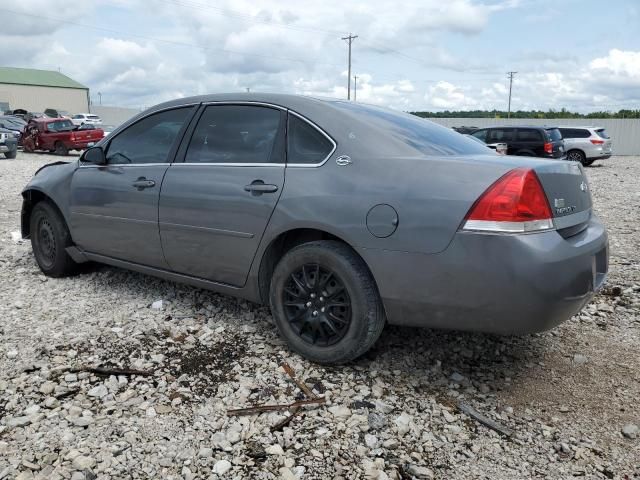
{"points": [[603, 156], [82, 145], [493, 283]]}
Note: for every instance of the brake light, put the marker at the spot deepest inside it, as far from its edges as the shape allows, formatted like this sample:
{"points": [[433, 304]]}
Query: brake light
{"points": [[515, 203], [597, 142], [548, 147]]}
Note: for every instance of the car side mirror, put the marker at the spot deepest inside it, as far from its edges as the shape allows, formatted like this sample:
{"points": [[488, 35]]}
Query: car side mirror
{"points": [[94, 155]]}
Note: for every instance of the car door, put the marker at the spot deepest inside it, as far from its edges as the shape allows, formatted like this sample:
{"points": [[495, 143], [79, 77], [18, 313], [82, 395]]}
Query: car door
{"points": [[215, 205], [114, 207]]}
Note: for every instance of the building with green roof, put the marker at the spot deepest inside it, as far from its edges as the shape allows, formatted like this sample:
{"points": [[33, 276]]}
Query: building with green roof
{"points": [[36, 90]]}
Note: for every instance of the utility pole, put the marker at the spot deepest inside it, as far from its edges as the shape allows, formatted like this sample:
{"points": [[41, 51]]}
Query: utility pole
{"points": [[100, 96], [510, 75], [355, 87], [349, 39]]}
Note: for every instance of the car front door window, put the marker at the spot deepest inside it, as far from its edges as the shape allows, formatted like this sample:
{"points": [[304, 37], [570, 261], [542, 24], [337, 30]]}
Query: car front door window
{"points": [[148, 141]]}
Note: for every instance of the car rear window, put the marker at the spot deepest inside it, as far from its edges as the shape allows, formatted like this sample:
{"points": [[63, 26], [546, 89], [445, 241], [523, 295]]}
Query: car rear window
{"points": [[602, 133], [554, 134], [93, 117], [422, 135], [60, 126]]}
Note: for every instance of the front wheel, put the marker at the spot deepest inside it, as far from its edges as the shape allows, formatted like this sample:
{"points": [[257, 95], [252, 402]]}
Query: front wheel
{"points": [[49, 239], [326, 303]]}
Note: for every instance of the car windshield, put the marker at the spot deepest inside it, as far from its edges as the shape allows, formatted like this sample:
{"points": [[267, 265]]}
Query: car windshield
{"points": [[60, 126], [423, 135], [602, 133], [554, 134]]}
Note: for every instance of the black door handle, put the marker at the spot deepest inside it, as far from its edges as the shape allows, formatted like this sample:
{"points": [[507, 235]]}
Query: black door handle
{"points": [[258, 187], [142, 183]]}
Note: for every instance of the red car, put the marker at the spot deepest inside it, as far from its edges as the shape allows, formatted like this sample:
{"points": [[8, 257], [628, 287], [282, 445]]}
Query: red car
{"points": [[57, 135]]}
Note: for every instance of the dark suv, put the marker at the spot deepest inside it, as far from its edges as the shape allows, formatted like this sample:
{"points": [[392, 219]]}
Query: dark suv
{"points": [[530, 141]]}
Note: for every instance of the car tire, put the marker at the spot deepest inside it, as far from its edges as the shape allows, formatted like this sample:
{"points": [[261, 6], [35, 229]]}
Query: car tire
{"points": [[49, 239], [325, 302], [11, 154], [577, 156], [61, 149], [586, 163]]}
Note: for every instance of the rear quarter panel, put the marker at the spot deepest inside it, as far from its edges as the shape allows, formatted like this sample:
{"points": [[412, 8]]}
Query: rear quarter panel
{"points": [[430, 194]]}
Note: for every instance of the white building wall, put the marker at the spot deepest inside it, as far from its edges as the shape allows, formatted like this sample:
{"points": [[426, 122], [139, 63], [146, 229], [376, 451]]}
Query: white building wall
{"points": [[36, 98]]}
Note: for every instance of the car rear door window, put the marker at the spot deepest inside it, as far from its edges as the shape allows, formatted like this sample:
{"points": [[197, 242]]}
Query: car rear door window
{"points": [[305, 143], [244, 134], [149, 140], [528, 135]]}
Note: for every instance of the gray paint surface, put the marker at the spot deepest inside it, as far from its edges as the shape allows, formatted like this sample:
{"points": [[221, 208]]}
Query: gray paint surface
{"points": [[624, 132], [199, 225]]}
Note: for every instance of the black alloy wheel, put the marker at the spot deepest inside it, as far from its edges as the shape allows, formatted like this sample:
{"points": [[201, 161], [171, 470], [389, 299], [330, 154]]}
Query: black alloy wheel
{"points": [[317, 305]]}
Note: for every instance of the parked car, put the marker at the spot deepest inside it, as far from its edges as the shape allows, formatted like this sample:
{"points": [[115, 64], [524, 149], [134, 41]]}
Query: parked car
{"points": [[586, 144], [500, 148], [527, 141], [384, 217], [82, 118], [465, 130], [8, 143], [57, 135], [15, 126], [54, 113]]}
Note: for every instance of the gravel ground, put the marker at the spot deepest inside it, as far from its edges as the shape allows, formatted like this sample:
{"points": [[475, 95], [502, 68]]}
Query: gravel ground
{"points": [[570, 395]]}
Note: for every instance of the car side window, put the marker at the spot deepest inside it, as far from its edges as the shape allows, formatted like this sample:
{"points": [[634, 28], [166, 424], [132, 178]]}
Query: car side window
{"points": [[305, 143], [528, 135], [500, 135], [235, 134], [480, 135], [148, 140]]}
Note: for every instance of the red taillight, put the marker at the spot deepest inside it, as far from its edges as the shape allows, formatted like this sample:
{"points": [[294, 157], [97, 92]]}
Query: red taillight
{"points": [[516, 202], [597, 142], [548, 147]]}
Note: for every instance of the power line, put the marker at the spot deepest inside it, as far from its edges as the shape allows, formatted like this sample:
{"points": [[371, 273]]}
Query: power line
{"points": [[510, 75], [349, 39]]}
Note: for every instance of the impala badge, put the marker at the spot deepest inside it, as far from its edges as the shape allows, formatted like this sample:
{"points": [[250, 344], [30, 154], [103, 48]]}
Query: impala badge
{"points": [[584, 187], [344, 160]]}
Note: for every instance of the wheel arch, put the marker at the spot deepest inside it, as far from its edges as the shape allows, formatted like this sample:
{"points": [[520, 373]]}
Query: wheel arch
{"points": [[284, 242], [30, 198]]}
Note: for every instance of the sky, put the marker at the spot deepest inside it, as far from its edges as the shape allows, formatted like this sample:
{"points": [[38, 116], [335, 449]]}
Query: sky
{"points": [[583, 55]]}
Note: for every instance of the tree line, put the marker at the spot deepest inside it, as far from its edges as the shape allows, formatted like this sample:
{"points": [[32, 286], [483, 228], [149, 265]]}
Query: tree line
{"points": [[563, 113]]}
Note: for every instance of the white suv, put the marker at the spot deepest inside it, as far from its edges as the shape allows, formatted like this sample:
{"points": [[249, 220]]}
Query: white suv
{"points": [[82, 118], [586, 144]]}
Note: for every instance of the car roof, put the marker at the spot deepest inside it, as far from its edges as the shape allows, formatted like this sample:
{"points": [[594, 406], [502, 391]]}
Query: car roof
{"points": [[582, 126], [48, 120], [541, 127]]}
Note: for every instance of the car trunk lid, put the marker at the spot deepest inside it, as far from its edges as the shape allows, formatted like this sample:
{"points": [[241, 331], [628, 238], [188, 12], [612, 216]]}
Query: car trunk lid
{"points": [[567, 190]]}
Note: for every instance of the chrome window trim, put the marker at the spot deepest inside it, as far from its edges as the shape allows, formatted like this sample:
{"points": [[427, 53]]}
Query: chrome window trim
{"points": [[222, 164], [244, 102], [333, 142], [119, 165]]}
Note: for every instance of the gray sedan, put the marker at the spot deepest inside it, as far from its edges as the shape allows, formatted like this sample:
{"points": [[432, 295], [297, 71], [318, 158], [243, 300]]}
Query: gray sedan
{"points": [[341, 216]]}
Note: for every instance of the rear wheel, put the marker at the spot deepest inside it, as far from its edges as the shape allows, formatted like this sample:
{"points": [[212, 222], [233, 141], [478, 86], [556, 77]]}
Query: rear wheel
{"points": [[325, 302], [11, 154], [61, 149], [49, 239], [578, 156]]}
